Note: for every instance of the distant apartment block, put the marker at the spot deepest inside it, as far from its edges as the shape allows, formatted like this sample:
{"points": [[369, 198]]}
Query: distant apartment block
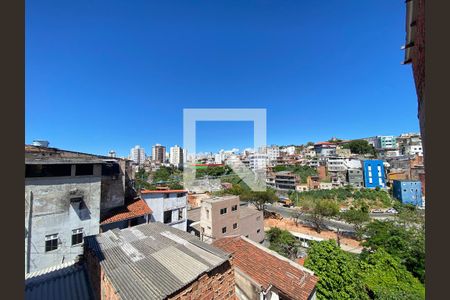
{"points": [[258, 161], [325, 149], [155, 261], [386, 142], [374, 174], [355, 178], [159, 153], [224, 216], [176, 156], [261, 273], [408, 191], [286, 180], [137, 154], [168, 207]]}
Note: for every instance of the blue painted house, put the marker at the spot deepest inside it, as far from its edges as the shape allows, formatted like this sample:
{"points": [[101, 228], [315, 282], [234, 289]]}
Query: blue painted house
{"points": [[408, 191], [374, 175]]}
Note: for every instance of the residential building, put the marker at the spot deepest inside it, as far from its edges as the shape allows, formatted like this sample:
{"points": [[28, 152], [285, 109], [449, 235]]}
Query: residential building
{"points": [[413, 149], [325, 185], [224, 216], [374, 141], [325, 149], [290, 150], [273, 153], [374, 174], [313, 182], [68, 280], [62, 205], [258, 161], [137, 154], [342, 152], [168, 207], [355, 178], [336, 164], [408, 191], [134, 213], [159, 153], [388, 152], [415, 54], [286, 180], [386, 142], [176, 156], [261, 273], [156, 261]]}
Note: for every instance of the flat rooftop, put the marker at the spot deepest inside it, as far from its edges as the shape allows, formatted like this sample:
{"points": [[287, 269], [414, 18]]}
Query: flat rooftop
{"points": [[153, 261]]}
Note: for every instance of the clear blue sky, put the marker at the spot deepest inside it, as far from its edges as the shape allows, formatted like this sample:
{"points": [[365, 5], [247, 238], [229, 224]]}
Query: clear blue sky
{"points": [[104, 75]]}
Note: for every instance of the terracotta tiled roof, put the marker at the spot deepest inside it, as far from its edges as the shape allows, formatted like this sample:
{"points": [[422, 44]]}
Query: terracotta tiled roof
{"points": [[162, 191], [133, 210], [269, 268]]}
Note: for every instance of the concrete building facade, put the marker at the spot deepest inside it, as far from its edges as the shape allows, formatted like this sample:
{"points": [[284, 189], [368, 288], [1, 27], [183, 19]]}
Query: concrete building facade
{"points": [[137, 154], [374, 174], [168, 207], [408, 191], [176, 156], [159, 153]]}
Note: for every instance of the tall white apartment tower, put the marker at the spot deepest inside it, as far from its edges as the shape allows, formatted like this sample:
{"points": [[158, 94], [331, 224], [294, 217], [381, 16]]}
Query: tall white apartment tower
{"points": [[176, 156], [159, 153], [137, 154]]}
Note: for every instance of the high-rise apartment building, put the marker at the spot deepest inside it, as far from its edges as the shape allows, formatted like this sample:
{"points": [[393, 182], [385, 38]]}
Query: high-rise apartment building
{"points": [[159, 153], [137, 154], [176, 156]]}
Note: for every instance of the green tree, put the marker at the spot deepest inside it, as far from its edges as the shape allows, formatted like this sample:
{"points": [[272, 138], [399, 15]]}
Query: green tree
{"points": [[338, 272], [357, 217], [282, 242], [386, 278], [360, 147], [404, 242], [259, 199], [318, 210]]}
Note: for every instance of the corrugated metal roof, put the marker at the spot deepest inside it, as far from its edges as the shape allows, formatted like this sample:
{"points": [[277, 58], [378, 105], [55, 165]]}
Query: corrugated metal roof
{"points": [[65, 281], [153, 261]]}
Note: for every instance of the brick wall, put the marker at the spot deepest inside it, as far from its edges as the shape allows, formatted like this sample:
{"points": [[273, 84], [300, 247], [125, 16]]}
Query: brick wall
{"points": [[216, 284], [102, 288]]}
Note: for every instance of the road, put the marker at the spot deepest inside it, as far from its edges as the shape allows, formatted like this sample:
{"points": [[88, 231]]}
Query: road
{"points": [[333, 224]]}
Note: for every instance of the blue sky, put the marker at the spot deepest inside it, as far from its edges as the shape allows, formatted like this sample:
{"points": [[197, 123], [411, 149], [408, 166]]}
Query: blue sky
{"points": [[104, 75]]}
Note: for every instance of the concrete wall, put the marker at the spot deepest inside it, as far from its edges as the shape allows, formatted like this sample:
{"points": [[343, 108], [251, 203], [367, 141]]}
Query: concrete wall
{"points": [[214, 224], [246, 287], [252, 227], [53, 213], [159, 205]]}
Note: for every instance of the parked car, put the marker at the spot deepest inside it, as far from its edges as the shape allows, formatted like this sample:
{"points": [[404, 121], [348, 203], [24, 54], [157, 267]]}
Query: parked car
{"points": [[391, 211], [377, 211]]}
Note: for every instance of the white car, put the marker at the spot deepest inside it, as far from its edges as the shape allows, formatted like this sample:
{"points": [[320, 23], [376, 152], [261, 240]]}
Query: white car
{"points": [[391, 211]]}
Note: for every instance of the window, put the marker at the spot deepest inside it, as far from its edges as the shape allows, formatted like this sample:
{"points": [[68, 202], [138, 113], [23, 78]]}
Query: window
{"points": [[258, 231], [167, 217], [234, 225], [180, 214], [51, 242], [166, 195], [223, 211], [369, 168], [234, 208], [84, 169], [370, 180], [77, 203], [48, 170], [370, 174], [77, 236], [207, 213], [179, 195], [224, 229]]}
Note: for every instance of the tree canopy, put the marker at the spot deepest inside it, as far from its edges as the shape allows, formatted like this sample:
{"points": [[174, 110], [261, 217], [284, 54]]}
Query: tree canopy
{"points": [[360, 147], [338, 273], [317, 210], [282, 242]]}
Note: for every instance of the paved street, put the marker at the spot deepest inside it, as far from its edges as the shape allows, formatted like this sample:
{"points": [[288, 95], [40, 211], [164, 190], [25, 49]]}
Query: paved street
{"points": [[287, 212]]}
